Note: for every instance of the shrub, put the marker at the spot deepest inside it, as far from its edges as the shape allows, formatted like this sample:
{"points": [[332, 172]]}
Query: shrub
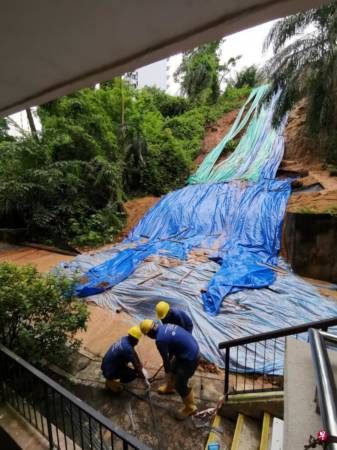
{"points": [[39, 316], [96, 148]]}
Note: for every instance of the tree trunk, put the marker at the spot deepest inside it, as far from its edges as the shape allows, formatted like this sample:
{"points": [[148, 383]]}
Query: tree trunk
{"points": [[31, 123], [122, 102]]}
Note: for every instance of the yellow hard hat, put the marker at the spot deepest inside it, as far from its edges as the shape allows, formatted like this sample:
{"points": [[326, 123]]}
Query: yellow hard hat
{"points": [[162, 308], [135, 332], [146, 325]]}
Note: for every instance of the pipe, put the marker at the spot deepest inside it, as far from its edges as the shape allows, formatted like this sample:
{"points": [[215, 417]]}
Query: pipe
{"points": [[326, 387]]}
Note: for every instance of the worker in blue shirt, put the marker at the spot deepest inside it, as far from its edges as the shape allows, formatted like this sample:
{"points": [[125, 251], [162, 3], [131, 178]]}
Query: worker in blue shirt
{"points": [[173, 315], [180, 353], [115, 362]]}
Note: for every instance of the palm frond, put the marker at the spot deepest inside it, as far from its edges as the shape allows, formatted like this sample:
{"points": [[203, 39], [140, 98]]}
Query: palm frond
{"points": [[287, 28]]}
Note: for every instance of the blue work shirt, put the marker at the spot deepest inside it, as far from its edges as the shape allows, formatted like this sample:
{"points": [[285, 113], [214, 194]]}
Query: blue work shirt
{"points": [[118, 355], [172, 340], [179, 317]]}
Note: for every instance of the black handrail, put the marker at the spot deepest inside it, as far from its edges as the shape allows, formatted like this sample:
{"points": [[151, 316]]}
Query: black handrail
{"points": [[57, 413], [326, 386], [264, 338], [297, 329]]}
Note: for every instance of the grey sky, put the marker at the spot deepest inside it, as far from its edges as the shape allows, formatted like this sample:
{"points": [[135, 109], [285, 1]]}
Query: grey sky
{"points": [[247, 43]]}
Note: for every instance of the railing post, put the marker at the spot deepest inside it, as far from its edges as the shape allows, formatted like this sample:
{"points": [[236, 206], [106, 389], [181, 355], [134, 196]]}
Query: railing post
{"points": [[226, 386], [49, 424]]}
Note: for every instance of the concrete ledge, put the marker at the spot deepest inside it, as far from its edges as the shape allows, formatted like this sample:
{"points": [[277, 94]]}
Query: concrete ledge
{"points": [[254, 405], [26, 437]]}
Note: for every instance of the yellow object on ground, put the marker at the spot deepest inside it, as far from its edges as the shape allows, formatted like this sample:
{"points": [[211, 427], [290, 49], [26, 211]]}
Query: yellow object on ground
{"points": [[265, 431], [168, 387], [146, 325], [162, 308], [190, 407], [213, 435], [135, 332], [237, 432], [114, 386]]}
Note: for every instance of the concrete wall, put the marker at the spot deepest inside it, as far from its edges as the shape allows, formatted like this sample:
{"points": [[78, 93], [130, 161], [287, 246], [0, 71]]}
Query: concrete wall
{"points": [[310, 245]]}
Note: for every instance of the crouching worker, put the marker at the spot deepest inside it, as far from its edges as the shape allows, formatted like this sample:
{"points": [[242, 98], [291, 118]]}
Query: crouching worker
{"points": [[180, 353], [173, 315], [115, 362]]}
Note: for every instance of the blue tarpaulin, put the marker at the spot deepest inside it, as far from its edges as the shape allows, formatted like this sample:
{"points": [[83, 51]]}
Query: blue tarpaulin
{"points": [[290, 301], [236, 226], [240, 222]]}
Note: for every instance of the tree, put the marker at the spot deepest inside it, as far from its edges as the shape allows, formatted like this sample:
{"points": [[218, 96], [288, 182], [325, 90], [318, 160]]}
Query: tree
{"points": [[305, 65], [31, 122], [39, 317], [248, 76], [200, 73], [4, 136], [68, 187]]}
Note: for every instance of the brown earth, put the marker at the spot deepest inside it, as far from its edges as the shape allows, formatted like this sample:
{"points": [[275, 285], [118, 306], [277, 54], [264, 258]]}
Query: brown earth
{"points": [[303, 157], [324, 202], [135, 209], [42, 259], [303, 154], [298, 146], [214, 134]]}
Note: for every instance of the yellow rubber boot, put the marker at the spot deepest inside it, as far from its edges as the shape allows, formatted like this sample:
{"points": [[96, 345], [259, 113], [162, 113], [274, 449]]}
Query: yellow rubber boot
{"points": [[114, 386], [190, 407], [168, 387]]}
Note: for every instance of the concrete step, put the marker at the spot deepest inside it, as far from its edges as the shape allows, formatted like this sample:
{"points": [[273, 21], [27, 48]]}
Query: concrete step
{"points": [[20, 431], [220, 437], [247, 434], [254, 405]]}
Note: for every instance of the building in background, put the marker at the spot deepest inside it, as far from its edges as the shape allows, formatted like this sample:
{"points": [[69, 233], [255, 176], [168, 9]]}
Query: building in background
{"points": [[132, 78], [154, 75]]}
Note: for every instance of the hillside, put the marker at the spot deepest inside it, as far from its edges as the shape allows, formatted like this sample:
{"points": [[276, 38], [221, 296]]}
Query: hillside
{"points": [[315, 189]]}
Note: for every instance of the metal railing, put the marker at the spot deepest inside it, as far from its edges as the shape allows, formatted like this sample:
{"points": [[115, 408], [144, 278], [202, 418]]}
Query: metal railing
{"points": [[66, 421], [326, 385], [255, 363]]}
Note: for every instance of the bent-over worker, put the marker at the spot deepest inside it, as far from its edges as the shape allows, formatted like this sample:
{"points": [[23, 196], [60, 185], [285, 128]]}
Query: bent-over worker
{"points": [[173, 315], [115, 362], [180, 353]]}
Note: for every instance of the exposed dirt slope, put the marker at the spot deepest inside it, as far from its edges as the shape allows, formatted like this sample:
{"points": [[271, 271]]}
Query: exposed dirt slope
{"points": [[302, 157], [298, 145], [135, 210], [214, 134]]}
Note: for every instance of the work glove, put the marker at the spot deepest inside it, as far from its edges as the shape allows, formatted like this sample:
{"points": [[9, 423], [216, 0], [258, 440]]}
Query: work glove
{"points": [[145, 373], [146, 377]]}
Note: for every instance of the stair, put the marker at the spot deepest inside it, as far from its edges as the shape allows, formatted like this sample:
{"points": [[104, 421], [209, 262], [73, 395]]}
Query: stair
{"points": [[249, 433]]}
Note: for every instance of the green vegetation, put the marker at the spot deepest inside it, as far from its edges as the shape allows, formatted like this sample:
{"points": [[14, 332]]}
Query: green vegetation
{"points": [[332, 211], [38, 315], [98, 147], [304, 65], [201, 73], [305, 210], [248, 76]]}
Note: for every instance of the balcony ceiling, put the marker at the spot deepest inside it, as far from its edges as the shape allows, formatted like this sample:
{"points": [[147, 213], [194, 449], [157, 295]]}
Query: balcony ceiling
{"points": [[50, 48]]}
